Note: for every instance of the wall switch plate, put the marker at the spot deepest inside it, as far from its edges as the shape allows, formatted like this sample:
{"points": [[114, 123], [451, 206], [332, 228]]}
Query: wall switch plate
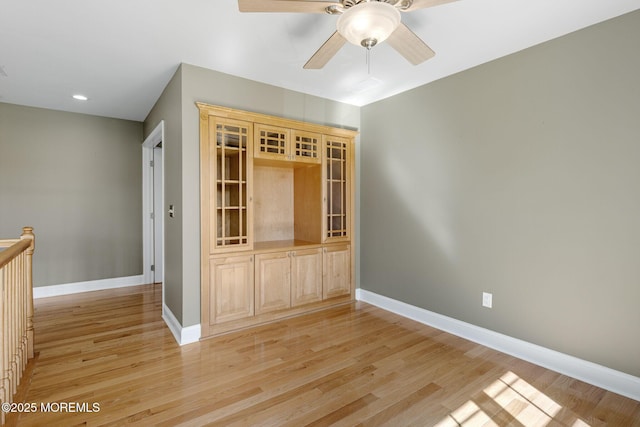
{"points": [[487, 299]]}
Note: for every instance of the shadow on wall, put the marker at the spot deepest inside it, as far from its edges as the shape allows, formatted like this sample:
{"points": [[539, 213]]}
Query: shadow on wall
{"points": [[406, 229]]}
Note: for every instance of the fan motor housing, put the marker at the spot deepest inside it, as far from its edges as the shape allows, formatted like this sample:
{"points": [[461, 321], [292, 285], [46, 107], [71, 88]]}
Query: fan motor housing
{"points": [[346, 4]]}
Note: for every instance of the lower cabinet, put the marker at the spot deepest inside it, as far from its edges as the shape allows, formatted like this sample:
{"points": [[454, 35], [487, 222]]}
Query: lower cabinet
{"points": [[336, 274], [273, 281], [249, 289], [288, 279], [231, 296], [306, 273]]}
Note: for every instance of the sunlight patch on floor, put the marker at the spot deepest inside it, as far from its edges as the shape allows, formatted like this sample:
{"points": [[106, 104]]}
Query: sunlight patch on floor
{"points": [[523, 403], [469, 414]]}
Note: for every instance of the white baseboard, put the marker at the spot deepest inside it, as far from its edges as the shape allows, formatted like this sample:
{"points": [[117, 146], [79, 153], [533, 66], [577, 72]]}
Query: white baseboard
{"points": [[183, 336], [92, 285], [589, 372]]}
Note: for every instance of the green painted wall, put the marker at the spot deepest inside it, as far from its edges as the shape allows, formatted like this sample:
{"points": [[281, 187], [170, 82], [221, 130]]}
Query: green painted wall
{"points": [[168, 108], [76, 179], [520, 177]]}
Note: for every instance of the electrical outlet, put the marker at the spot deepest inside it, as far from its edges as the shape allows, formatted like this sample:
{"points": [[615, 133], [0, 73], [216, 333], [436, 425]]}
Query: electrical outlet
{"points": [[487, 299]]}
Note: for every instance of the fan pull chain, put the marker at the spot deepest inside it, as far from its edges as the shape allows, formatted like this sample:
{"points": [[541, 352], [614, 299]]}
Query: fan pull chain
{"points": [[369, 61]]}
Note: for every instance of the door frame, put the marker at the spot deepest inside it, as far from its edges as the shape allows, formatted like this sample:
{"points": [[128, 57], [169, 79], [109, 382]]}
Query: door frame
{"points": [[155, 138]]}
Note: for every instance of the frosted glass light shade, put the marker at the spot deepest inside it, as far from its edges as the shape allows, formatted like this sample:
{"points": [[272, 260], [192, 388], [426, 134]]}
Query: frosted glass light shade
{"points": [[368, 21]]}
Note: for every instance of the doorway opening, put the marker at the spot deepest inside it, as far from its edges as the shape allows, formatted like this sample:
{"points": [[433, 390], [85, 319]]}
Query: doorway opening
{"points": [[153, 207]]}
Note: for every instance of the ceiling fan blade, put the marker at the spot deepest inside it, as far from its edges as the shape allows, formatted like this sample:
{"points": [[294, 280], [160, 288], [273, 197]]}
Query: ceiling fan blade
{"points": [[409, 45], [295, 6], [326, 52], [421, 4]]}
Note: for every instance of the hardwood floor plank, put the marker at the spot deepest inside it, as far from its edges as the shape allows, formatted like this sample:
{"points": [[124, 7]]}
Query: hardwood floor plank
{"points": [[350, 365]]}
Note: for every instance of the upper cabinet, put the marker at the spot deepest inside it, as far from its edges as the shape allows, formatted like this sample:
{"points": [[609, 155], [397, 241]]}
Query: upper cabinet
{"points": [[272, 142], [226, 177], [336, 172], [306, 146], [291, 145]]}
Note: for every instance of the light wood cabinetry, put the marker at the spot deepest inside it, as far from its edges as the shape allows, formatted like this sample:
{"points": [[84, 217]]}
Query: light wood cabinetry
{"points": [[306, 146], [277, 213], [337, 188], [336, 273], [226, 177], [272, 142], [306, 273], [278, 143], [288, 279], [232, 296], [273, 281]]}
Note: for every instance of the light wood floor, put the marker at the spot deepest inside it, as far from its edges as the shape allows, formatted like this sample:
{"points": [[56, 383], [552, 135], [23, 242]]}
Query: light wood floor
{"points": [[352, 365]]}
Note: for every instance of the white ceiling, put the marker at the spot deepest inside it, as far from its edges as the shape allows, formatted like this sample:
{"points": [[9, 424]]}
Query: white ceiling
{"points": [[122, 53]]}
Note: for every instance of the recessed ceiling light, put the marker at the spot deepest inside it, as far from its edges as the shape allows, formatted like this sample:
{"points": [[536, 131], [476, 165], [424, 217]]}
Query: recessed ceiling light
{"points": [[80, 97]]}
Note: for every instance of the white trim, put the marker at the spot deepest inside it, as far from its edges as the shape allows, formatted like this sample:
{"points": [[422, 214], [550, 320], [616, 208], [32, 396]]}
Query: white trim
{"points": [[147, 208], [92, 285], [183, 336], [155, 137], [592, 373]]}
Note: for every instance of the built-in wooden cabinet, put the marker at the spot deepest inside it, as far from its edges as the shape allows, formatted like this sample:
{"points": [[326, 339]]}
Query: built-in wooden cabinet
{"points": [[232, 296], [273, 281], [306, 276], [336, 273], [227, 173], [337, 188], [272, 142], [278, 143], [306, 146], [288, 279], [276, 217]]}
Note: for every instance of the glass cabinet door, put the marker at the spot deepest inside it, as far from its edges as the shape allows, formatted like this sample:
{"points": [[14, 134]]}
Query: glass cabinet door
{"points": [[271, 142], [231, 153], [305, 146], [337, 188]]}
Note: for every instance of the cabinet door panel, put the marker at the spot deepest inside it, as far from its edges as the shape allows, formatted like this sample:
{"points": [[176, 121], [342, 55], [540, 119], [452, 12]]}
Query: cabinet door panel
{"points": [[336, 278], [336, 172], [231, 291], [305, 146], [271, 142], [229, 170], [306, 271], [273, 282]]}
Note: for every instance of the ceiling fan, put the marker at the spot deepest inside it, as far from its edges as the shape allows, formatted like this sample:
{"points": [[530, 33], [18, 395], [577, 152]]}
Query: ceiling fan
{"points": [[364, 23]]}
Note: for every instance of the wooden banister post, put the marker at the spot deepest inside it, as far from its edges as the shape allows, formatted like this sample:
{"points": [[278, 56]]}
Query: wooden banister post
{"points": [[27, 233]]}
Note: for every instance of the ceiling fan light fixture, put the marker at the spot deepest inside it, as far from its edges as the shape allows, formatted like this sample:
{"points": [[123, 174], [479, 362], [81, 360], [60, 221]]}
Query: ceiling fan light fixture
{"points": [[368, 23]]}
